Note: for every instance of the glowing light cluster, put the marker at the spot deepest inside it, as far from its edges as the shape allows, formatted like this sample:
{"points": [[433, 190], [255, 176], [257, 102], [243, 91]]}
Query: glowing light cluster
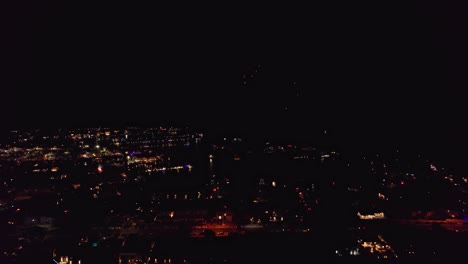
{"points": [[380, 215]]}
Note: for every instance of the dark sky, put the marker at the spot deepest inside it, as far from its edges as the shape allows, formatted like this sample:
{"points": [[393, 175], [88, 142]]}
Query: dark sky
{"points": [[365, 70]]}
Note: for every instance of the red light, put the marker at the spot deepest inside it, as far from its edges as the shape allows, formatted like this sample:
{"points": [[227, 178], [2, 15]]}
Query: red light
{"points": [[297, 189], [99, 169], [402, 183], [215, 190]]}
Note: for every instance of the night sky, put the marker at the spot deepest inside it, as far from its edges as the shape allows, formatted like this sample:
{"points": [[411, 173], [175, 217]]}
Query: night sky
{"points": [[369, 72]]}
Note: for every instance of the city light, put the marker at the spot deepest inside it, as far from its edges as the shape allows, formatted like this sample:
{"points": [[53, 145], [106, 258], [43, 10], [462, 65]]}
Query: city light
{"points": [[56, 183]]}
